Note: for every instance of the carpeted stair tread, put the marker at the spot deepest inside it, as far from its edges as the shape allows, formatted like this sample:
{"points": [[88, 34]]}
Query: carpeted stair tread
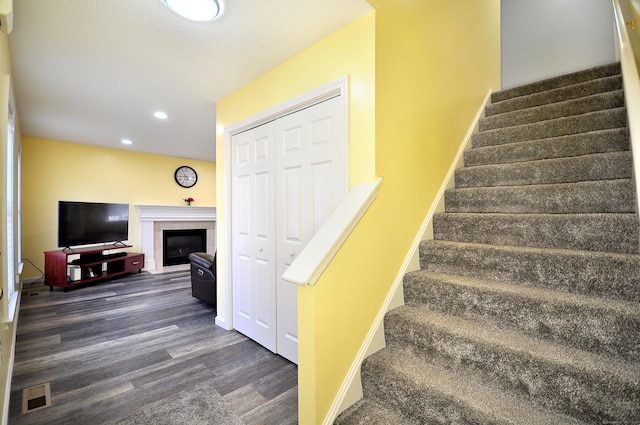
{"points": [[595, 102], [608, 196], [601, 386], [368, 412], [591, 232], [556, 82], [434, 395], [560, 94], [599, 141], [604, 274], [612, 326], [599, 166], [591, 121]]}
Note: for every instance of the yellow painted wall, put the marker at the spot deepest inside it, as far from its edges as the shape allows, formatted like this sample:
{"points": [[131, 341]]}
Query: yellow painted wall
{"points": [[434, 63], [54, 171], [349, 51], [5, 58]]}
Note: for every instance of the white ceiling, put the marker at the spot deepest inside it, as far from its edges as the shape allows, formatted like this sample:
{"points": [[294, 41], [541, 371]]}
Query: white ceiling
{"points": [[94, 71]]}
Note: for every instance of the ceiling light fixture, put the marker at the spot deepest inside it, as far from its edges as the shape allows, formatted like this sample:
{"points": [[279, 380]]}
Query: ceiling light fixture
{"points": [[196, 10], [126, 142], [160, 115]]}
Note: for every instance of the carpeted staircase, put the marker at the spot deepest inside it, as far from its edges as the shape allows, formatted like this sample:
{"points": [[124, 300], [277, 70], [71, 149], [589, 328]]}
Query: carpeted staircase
{"points": [[526, 309]]}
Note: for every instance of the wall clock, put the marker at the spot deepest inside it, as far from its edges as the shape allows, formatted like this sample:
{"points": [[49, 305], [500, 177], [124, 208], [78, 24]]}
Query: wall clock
{"points": [[186, 176]]}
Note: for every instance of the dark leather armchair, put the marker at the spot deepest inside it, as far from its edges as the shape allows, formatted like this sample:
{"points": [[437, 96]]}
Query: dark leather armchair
{"points": [[203, 277]]}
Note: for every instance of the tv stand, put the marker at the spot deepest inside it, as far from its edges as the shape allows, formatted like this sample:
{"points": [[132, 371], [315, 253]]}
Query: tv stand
{"points": [[88, 265]]}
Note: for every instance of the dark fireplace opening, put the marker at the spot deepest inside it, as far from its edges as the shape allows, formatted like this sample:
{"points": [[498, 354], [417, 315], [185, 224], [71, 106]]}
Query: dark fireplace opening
{"points": [[178, 244]]}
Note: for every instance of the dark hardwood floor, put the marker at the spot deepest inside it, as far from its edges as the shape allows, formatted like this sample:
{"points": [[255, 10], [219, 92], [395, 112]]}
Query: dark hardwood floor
{"points": [[110, 349]]}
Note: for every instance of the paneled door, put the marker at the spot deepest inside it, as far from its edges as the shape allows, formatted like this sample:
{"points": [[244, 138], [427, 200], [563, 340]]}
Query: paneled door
{"points": [[276, 209], [253, 234], [310, 183]]}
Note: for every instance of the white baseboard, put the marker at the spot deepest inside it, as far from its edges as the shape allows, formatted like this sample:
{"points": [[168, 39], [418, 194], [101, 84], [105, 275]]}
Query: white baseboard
{"points": [[221, 322]]}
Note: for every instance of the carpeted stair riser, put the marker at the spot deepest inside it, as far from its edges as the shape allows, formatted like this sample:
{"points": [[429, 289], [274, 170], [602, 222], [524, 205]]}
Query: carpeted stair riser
{"points": [[601, 166], [556, 82], [430, 394], [583, 105], [612, 327], [608, 196], [592, 232], [591, 121], [561, 94], [368, 412], [601, 141], [601, 389], [608, 275]]}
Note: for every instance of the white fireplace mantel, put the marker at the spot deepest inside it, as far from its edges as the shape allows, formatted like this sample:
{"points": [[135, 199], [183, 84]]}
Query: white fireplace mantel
{"points": [[175, 213], [150, 214]]}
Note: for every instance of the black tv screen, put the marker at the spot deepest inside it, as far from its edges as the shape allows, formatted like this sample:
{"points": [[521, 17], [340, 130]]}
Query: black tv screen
{"points": [[85, 223]]}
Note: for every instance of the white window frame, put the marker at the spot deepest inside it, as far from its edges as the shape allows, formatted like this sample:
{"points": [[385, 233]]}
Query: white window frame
{"points": [[10, 256]]}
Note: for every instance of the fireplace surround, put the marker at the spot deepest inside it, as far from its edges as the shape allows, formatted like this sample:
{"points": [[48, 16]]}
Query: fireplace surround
{"points": [[156, 218]]}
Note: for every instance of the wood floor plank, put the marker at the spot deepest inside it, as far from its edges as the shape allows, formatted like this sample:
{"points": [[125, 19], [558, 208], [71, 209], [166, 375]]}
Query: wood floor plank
{"points": [[123, 371], [276, 383], [276, 411], [245, 399], [110, 349], [247, 373]]}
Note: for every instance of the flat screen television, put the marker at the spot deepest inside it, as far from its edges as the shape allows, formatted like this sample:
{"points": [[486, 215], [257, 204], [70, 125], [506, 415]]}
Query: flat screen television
{"points": [[86, 223]]}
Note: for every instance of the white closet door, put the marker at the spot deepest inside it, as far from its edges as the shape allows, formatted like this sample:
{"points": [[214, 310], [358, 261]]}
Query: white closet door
{"points": [[287, 177], [253, 234], [310, 183]]}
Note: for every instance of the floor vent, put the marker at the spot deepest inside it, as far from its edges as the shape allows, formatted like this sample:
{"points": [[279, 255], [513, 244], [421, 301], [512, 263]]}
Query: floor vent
{"points": [[35, 398]]}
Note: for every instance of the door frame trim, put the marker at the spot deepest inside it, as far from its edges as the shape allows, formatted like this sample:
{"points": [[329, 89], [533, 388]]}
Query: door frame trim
{"points": [[338, 87]]}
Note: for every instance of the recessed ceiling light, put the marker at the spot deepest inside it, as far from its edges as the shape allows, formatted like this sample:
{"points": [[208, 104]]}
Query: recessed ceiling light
{"points": [[160, 115], [126, 142], [196, 10]]}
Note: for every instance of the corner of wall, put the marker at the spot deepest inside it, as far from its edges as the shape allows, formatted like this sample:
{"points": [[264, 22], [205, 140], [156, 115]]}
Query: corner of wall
{"points": [[351, 389]]}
